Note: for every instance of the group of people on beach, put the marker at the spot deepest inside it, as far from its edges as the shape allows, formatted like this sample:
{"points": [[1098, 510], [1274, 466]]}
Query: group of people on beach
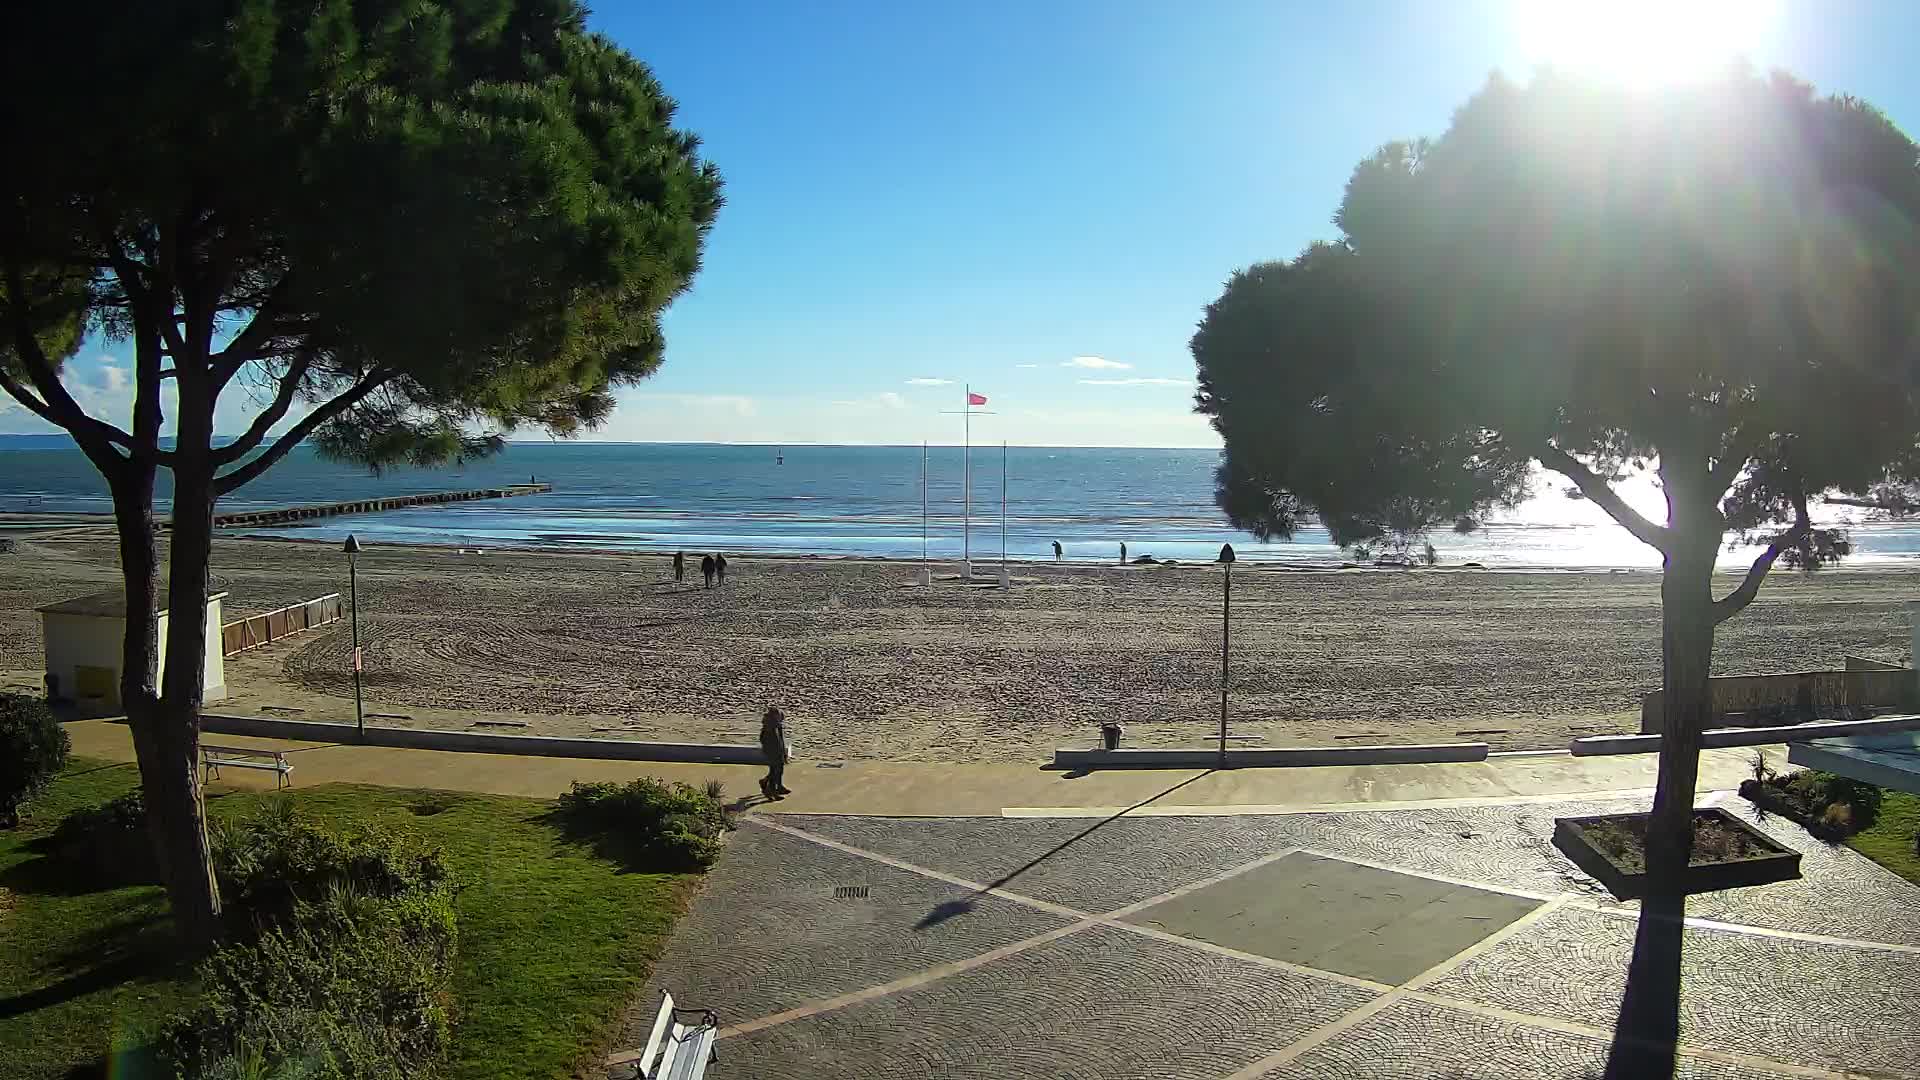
{"points": [[712, 567]]}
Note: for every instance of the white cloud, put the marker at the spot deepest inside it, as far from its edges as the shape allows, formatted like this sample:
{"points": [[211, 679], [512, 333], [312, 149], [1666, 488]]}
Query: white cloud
{"points": [[1134, 382], [892, 400], [1026, 365], [929, 382], [1097, 363]]}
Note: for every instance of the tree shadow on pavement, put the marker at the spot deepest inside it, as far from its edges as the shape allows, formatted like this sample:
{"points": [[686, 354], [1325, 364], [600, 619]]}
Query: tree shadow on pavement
{"points": [[1646, 1035], [953, 908]]}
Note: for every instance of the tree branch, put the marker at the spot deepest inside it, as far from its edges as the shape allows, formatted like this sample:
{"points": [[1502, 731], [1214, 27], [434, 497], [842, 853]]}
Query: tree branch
{"points": [[271, 415], [1736, 601], [245, 346], [1594, 487], [372, 381], [55, 405]]}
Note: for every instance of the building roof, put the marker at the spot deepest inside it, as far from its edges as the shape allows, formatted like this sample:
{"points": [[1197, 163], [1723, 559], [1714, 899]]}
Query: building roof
{"points": [[111, 604], [1890, 761]]}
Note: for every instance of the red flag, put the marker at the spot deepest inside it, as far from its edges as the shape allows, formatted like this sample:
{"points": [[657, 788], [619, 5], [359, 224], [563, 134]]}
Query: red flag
{"points": [[976, 399]]}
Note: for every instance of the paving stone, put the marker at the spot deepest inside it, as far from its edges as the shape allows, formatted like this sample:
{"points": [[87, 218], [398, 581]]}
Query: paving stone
{"points": [[1097, 864], [1100, 1004], [1840, 892], [1338, 916], [1826, 1006], [1417, 1040], [767, 934]]}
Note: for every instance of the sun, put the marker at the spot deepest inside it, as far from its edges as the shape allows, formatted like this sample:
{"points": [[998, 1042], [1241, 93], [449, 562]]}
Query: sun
{"points": [[1642, 41]]}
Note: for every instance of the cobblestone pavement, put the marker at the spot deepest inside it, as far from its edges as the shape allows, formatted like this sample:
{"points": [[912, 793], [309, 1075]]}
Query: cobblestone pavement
{"points": [[1150, 947]]}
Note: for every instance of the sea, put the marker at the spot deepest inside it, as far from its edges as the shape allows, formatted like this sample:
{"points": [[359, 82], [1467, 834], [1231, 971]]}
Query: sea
{"points": [[852, 501]]}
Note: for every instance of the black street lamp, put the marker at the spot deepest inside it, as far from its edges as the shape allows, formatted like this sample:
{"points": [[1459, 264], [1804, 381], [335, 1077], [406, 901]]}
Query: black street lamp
{"points": [[1226, 637], [352, 548]]}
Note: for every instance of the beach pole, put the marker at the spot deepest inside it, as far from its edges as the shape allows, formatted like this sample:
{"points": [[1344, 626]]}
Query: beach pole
{"points": [[1226, 639], [966, 472], [926, 575], [1005, 581], [352, 548]]}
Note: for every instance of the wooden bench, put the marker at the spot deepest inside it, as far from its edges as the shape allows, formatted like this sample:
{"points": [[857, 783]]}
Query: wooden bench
{"points": [[676, 1050], [215, 758]]}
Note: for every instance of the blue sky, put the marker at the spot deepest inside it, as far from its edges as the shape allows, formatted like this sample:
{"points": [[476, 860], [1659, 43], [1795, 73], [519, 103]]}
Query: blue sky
{"points": [[994, 192]]}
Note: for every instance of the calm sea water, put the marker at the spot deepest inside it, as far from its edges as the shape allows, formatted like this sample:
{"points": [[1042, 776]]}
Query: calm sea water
{"points": [[842, 500]]}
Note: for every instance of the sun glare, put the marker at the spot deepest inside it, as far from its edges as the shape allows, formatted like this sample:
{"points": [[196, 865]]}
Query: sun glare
{"points": [[1642, 41]]}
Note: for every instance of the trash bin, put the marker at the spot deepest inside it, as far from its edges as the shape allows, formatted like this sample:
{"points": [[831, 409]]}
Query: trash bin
{"points": [[1110, 735]]}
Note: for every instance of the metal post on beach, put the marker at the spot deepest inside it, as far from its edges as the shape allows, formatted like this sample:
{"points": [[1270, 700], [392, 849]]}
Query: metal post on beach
{"points": [[1005, 581], [926, 575], [966, 528], [1226, 639], [352, 548]]}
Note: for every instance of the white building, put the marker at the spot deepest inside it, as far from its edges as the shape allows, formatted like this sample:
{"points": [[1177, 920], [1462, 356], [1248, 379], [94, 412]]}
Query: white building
{"points": [[85, 640]]}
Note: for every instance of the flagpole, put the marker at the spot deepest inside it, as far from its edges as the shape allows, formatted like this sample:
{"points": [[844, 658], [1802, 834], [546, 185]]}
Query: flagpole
{"points": [[966, 474], [926, 575], [1003, 514]]}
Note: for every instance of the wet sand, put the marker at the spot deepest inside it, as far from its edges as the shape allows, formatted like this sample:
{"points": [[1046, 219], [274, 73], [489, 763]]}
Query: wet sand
{"points": [[870, 665]]}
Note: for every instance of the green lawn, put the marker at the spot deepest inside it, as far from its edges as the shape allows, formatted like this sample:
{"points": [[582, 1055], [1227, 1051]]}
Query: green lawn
{"points": [[553, 940], [1890, 841]]}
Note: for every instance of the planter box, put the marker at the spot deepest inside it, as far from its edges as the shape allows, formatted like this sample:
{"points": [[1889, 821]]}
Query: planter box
{"points": [[1779, 863]]}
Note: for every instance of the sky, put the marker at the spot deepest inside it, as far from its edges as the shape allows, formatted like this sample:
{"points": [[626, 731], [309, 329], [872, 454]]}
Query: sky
{"points": [[1039, 200]]}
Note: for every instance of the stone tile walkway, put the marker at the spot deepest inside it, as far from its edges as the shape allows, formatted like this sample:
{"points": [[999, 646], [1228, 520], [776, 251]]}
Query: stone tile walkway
{"points": [[1450, 942]]}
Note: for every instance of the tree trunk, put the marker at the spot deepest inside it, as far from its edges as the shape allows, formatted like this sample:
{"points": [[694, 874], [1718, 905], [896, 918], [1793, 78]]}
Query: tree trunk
{"points": [[180, 817], [1686, 646], [165, 748]]}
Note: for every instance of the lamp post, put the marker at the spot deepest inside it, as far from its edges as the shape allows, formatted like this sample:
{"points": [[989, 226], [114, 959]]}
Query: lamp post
{"points": [[352, 548], [1226, 637]]}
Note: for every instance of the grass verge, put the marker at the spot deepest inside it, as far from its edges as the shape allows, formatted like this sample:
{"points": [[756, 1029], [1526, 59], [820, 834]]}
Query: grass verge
{"points": [[1889, 841], [554, 940]]}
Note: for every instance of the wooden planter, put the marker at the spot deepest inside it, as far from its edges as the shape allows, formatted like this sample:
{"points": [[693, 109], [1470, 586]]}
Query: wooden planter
{"points": [[1780, 863]]}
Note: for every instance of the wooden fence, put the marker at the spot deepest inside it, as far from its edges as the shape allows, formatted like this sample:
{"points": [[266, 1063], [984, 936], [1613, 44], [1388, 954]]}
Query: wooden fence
{"points": [[257, 630], [1890, 687]]}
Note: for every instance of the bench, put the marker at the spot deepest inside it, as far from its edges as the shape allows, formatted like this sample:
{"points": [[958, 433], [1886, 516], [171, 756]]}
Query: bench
{"points": [[676, 1050], [215, 758]]}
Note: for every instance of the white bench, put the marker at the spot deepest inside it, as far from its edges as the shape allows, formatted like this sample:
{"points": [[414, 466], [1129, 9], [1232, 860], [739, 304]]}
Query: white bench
{"points": [[676, 1050], [214, 758]]}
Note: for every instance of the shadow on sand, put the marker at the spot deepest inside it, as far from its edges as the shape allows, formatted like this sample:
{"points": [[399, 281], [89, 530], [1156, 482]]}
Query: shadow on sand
{"points": [[953, 908]]}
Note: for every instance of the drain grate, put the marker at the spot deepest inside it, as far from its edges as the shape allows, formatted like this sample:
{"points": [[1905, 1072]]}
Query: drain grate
{"points": [[851, 892]]}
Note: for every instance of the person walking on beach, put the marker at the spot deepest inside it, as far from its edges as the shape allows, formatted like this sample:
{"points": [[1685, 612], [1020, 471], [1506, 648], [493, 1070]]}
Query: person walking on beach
{"points": [[1056, 551], [1123, 552], [773, 743], [679, 566], [720, 568], [706, 569]]}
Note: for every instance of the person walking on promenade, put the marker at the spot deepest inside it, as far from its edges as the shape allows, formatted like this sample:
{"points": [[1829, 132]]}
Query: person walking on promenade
{"points": [[720, 568], [706, 569], [679, 566], [773, 743]]}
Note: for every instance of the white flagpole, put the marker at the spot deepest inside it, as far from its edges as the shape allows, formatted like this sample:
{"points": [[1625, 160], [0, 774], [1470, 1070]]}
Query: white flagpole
{"points": [[1003, 514], [966, 472], [926, 575]]}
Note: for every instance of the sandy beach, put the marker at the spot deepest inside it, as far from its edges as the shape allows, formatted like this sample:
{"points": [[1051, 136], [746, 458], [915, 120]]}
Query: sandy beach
{"points": [[872, 666]]}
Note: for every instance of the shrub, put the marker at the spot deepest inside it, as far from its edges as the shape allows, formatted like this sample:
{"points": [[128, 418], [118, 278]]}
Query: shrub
{"points": [[339, 964], [1838, 817], [108, 844], [647, 824], [33, 749], [1816, 791], [271, 862], [350, 987]]}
